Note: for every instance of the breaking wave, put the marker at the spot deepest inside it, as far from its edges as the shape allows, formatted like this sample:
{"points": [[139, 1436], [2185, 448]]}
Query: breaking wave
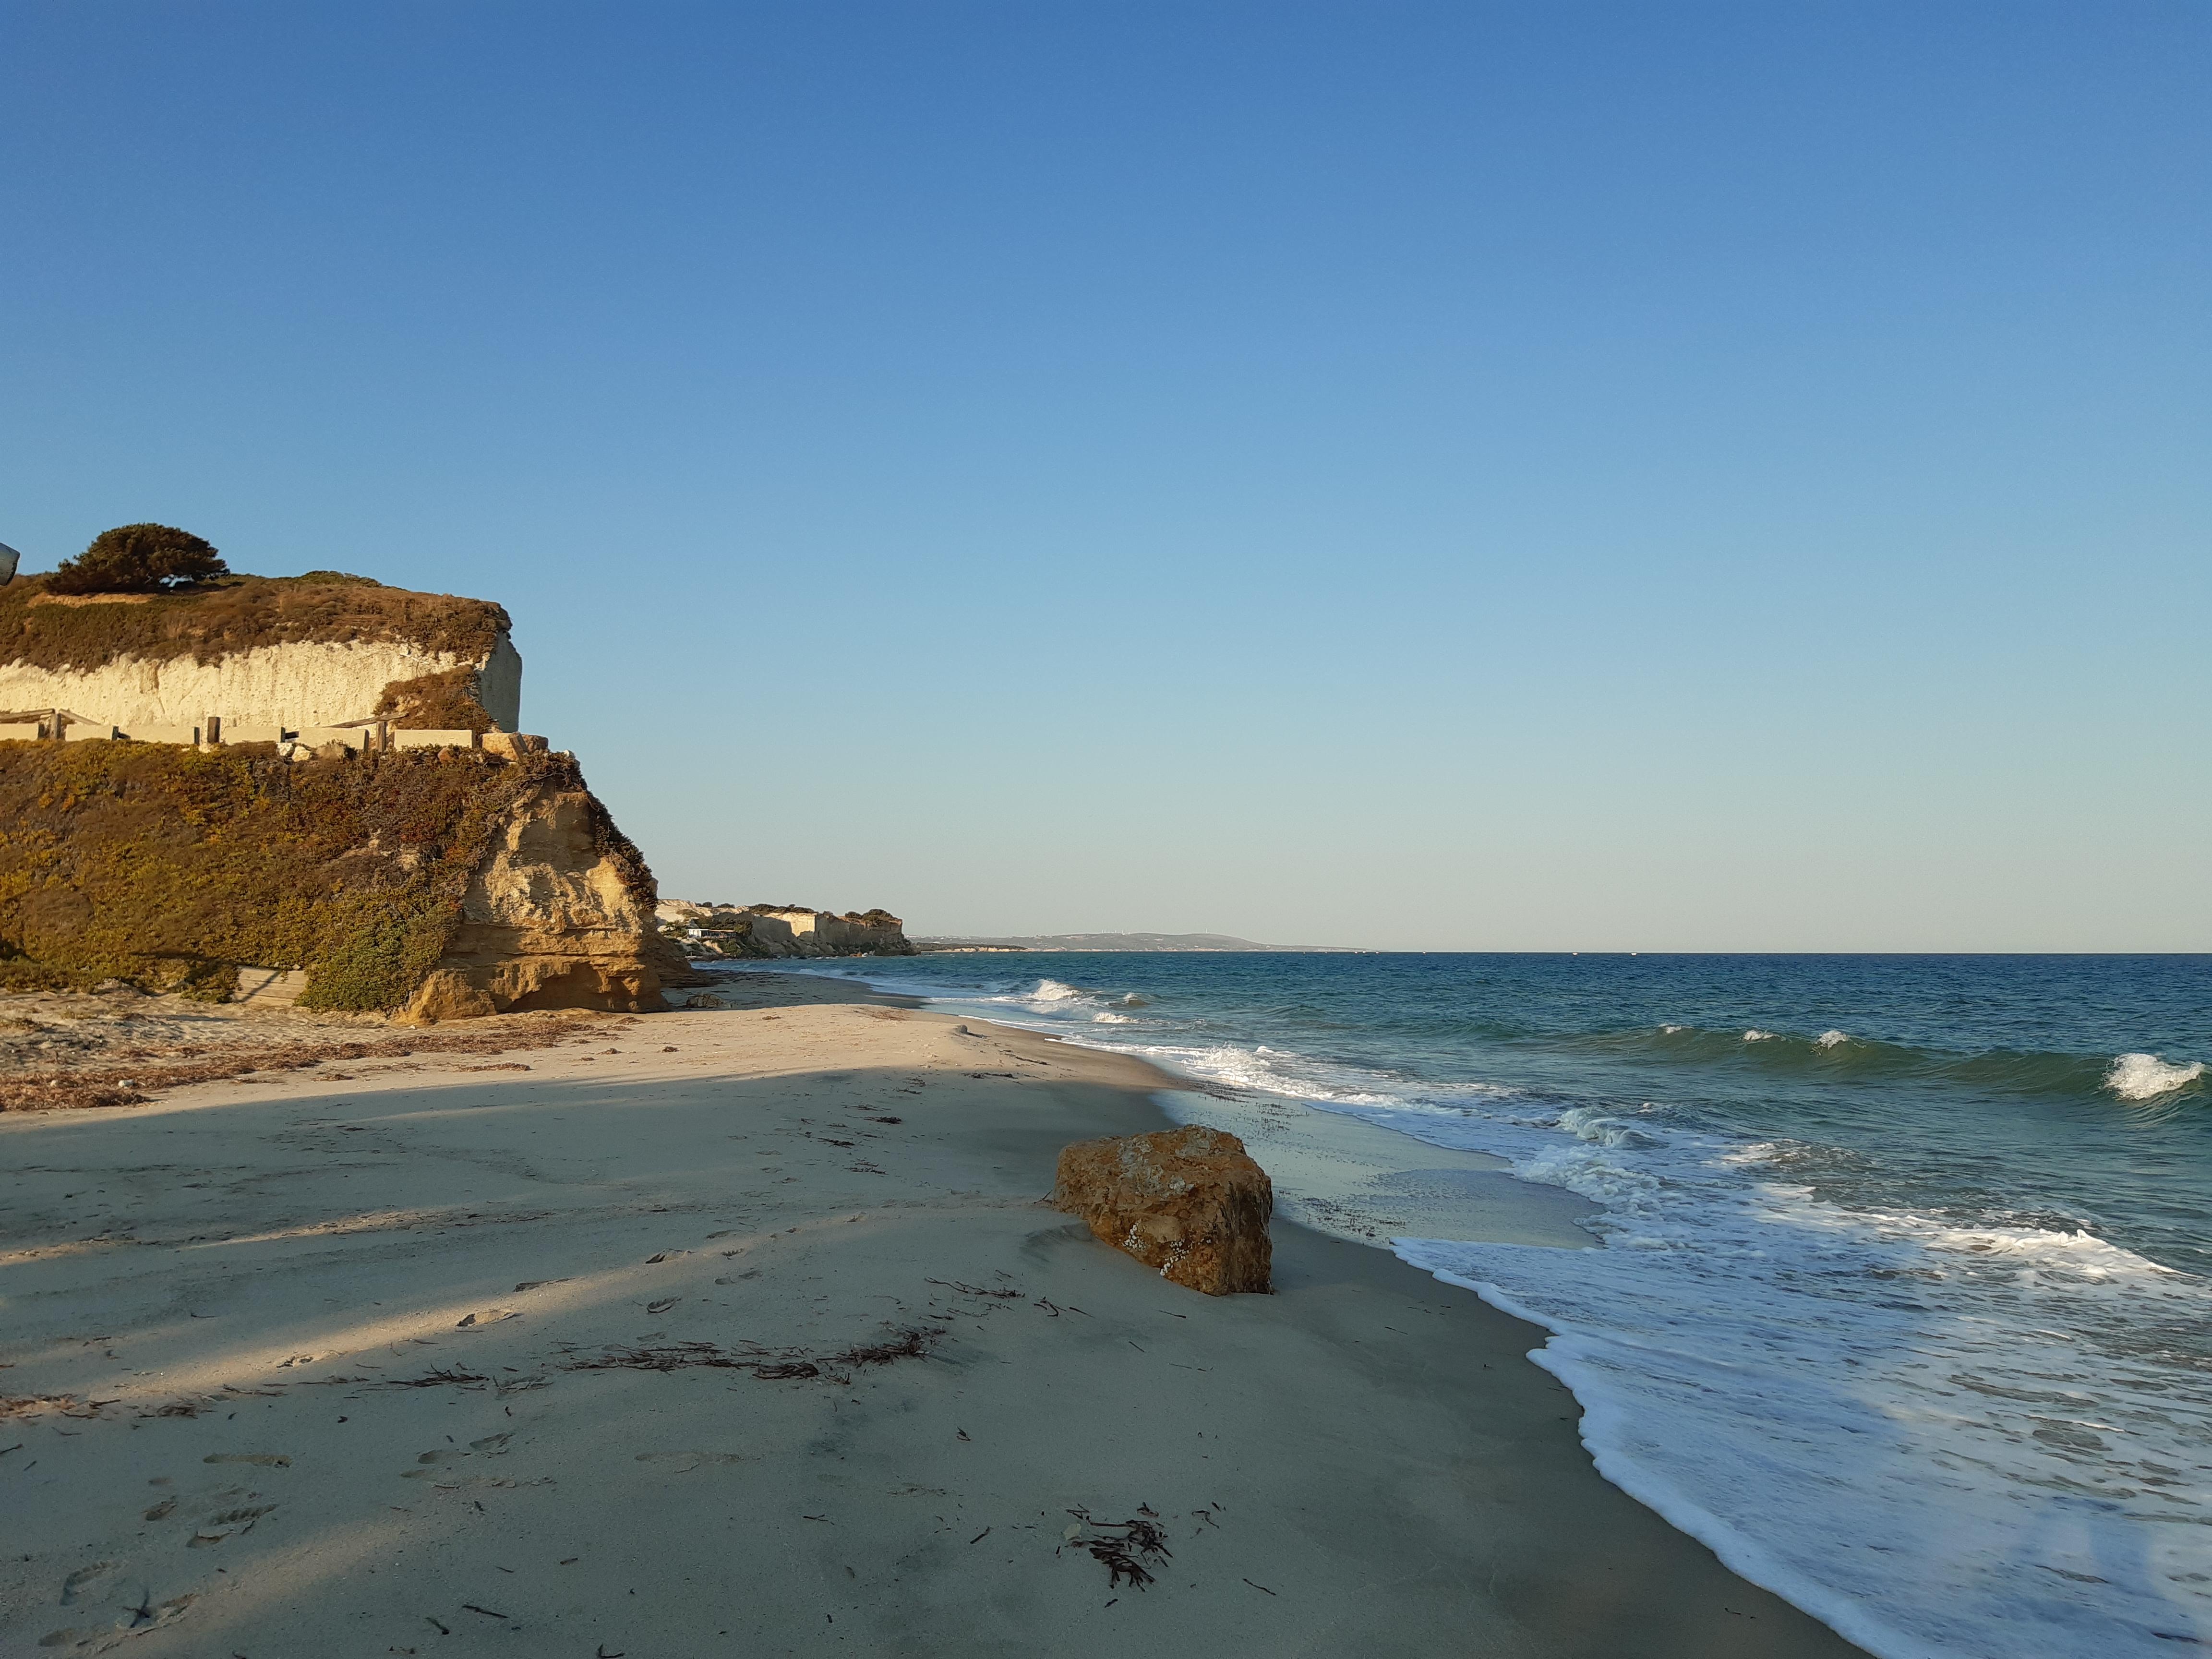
{"points": [[1838, 1054], [2146, 1077]]}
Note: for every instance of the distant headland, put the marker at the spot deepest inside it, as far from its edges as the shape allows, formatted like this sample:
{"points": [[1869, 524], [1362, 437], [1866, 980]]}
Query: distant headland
{"points": [[1112, 942]]}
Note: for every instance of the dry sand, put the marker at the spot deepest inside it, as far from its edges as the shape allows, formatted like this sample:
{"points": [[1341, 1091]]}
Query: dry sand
{"points": [[748, 1335]]}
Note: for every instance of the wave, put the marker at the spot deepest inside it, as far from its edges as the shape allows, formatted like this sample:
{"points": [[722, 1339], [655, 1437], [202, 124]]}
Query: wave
{"points": [[1837, 1055], [2146, 1077]]}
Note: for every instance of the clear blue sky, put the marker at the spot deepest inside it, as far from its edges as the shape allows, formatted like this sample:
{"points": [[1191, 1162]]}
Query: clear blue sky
{"points": [[1443, 475]]}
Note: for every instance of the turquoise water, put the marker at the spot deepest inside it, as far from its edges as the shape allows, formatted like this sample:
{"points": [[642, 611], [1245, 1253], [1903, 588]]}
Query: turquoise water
{"points": [[1904, 1301]]}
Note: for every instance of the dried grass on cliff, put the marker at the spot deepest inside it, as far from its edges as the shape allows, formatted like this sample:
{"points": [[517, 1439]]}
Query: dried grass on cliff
{"points": [[436, 702], [41, 630]]}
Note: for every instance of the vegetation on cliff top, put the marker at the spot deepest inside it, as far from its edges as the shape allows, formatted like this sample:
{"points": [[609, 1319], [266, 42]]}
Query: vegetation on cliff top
{"points": [[139, 558], [42, 626], [170, 867]]}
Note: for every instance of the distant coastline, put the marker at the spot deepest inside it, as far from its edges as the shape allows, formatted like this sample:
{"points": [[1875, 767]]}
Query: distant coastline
{"points": [[1116, 942]]}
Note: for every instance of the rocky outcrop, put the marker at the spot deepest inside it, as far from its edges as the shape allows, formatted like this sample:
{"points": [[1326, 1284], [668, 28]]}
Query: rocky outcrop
{"points": [[460, 870], [1188, 1202], [441, 883], [558, 914], [706, 932]]}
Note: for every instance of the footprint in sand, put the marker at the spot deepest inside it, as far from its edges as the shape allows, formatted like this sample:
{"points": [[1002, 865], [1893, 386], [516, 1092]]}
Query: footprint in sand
{"points": [[489, 1317], [142, 1618], [234, 1518], [492, 1445], [84, 1576], [684, 1462], [267, 1459]]}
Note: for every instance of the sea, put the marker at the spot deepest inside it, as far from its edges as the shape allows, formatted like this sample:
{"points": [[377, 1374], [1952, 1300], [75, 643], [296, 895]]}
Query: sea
{"points": [[1900, 1290]]}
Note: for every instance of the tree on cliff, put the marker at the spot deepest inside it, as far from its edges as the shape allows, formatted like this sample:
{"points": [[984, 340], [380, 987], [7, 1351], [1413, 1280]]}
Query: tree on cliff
{"points": [[138, 558]]}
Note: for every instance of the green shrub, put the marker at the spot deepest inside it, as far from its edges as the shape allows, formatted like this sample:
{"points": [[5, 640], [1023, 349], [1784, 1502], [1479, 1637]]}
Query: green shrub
{"points": [[138, 558]]}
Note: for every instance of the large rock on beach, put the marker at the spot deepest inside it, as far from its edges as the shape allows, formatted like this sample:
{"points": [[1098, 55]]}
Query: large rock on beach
{"points": [[1190, 1202]]}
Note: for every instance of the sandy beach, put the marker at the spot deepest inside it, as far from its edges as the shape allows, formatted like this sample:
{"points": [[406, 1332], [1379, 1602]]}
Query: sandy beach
{"points": [[745, 1331]]}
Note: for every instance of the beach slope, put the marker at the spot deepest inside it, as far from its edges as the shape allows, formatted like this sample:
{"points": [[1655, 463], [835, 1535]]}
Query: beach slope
{"points": [[746, 1331]]}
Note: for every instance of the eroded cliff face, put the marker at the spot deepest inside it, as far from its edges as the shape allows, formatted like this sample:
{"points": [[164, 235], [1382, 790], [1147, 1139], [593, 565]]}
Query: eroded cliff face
{"points": [[318, 650], [559, 915], [317, 683]]}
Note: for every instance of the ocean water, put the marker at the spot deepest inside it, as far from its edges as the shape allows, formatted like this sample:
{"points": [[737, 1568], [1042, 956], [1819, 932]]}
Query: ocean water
{"points": [[1902, 1296]]}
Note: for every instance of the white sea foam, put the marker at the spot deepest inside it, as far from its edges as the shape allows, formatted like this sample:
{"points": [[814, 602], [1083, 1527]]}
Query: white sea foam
{"points": [[1051, 990], [2146, 1077], [1932, 1471], [1263, 1071], [1831, 1039], [1756, 1035]]}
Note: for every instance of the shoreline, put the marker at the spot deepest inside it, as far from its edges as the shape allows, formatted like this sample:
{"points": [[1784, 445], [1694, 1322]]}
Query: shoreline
{"points": [[639, 1256]]}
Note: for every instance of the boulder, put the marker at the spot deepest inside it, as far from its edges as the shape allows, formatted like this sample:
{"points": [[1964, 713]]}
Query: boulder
{"points": [[1190, 1202]]}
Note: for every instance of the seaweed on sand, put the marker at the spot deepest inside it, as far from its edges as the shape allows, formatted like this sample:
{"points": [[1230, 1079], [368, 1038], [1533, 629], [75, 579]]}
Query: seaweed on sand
{"points": [[1122, 1546], [440, 1376], [768, 1364]]}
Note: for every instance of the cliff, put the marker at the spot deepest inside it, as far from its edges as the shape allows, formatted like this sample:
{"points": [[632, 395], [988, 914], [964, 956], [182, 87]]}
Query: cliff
{"points": [[704, 931], [434, 883], [322, 649]]}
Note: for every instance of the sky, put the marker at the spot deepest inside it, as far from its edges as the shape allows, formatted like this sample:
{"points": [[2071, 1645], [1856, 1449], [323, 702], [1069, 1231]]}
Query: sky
{"points": [[1435, 477]]}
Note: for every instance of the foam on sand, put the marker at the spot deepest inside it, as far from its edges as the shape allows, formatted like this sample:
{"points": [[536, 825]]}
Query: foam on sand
{"points": [[1349, 1178]]}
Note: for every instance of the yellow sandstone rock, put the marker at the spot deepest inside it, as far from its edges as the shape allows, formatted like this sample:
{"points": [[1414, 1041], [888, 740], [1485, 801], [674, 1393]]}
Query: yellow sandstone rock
{"points": [[1190, 1202]]}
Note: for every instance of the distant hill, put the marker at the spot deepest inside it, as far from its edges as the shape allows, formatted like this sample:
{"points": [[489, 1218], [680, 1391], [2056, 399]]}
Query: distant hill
{"points": [[1111, 942]]}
